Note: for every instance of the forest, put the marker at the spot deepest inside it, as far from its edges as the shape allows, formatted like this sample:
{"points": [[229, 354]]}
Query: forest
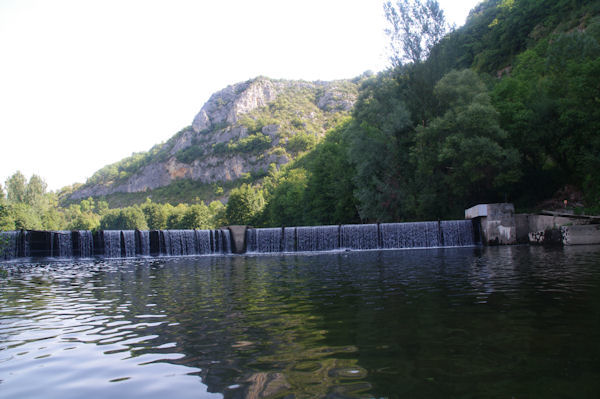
{"points": [[504, 108]]}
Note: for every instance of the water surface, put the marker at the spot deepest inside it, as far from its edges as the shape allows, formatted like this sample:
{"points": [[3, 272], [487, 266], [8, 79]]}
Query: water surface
{"points": [[504, 322]]}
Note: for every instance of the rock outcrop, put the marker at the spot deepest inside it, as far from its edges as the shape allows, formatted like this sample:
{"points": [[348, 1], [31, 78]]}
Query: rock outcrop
{"points": [[230, 136]]}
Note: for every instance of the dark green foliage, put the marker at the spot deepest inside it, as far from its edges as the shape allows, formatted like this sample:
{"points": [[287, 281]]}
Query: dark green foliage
{"points": [[286, 204], [244, 205], [156, 215], [300, 142], [190, 154], [255, 143], [197, 216], [461, 156], [380, 138], [316, 189], [130, 218], [16, 188]]}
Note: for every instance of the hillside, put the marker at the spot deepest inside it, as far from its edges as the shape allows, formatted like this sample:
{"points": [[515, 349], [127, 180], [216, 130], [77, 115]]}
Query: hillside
{"points": [[238, 133], [504, 108]]}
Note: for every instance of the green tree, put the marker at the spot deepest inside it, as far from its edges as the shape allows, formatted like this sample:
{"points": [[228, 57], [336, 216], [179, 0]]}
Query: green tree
{"points": [[156, 215], [130, 218], [197, 216], [329, 196], [7, 221], [380, 138], [217, 214], [175, 218], [25, 217], [415, 27], [35, 191], [16, 188], [286, 206], [244, 205], [462, 157]]}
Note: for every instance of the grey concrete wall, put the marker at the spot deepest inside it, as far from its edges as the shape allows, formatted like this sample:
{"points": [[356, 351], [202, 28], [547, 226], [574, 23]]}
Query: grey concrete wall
{"points": [[498, 225], [581, 234], [522, 228], [545, 222], [238, 238]]}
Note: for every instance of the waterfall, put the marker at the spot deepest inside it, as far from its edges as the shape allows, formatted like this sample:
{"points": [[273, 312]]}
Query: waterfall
{"points": [[112, 243], [360, 236], [179, 242], [8, 244], [289, 239], [143, 243], [457, 233], [317, 238], [410, 235], [85, 247], [226, 239], [263, 240], [62, 242], [128, 243], [195, 242], [221, 241], [131, 243], [203, 242]]}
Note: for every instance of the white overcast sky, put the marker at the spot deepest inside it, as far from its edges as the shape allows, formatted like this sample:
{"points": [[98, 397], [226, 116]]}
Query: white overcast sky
{"points": [[85, 83]]}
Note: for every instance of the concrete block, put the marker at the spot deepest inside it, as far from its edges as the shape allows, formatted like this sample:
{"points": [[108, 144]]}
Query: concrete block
{"points": [[498, 226], [581, 234], [477, 211], [548, 237], [238, 238], [522, 228]]}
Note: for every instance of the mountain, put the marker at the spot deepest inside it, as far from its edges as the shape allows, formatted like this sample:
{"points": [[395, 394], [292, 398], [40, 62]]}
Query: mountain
{"points": [[241, 130]]}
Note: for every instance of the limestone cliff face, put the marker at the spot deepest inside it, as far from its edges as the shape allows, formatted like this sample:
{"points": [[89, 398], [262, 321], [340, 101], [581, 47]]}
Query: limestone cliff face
{"points": [[227, 105], [230, 136]]}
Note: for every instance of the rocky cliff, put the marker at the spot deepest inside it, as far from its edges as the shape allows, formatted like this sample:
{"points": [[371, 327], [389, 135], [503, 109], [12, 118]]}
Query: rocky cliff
{"points": [[241, 129]]}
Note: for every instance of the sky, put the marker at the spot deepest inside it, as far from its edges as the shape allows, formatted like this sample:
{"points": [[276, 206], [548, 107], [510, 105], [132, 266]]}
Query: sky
{"points": [[86, 83]]}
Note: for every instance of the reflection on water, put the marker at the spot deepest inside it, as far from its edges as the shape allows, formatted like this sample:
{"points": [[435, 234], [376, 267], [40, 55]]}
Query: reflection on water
{"points": [[494, 322]]}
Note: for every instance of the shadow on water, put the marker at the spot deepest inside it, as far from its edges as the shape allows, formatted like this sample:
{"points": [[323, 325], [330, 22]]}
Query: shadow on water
{"points": [[456, 322]]}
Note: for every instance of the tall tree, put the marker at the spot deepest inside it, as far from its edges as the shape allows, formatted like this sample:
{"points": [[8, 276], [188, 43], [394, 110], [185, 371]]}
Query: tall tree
{"points": [[462, 157], [35, 191], [244, 205], [379, 142], [415, 27], [16, 188]]}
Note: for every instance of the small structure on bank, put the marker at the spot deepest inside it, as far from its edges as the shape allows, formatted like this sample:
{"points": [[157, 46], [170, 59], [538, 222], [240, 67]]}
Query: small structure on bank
{"points": [[499, 225]]}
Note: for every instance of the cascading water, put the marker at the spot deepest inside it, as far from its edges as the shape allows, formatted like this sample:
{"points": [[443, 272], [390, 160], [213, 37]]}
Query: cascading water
{"points": [[131, 243], [195, 242], [203, 242], [62, 243], [85, 244], [457, 233], [221, 241], [289, 239], [263, 240], [128, 243], [226, 241], [112, 243], [360, 236], [143, 243], [317, 238], [410, 235], [8, 244]]}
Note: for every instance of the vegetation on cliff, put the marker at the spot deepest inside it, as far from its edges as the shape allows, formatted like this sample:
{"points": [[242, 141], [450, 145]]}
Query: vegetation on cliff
{"points": [[505, 108]]}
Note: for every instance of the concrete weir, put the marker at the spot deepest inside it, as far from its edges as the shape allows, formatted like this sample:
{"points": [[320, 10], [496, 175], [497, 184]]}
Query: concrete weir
{"points": [[499, 225]]}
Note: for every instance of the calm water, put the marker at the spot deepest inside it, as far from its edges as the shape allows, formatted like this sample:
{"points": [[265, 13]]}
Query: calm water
{"points": [[508, 322]]}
